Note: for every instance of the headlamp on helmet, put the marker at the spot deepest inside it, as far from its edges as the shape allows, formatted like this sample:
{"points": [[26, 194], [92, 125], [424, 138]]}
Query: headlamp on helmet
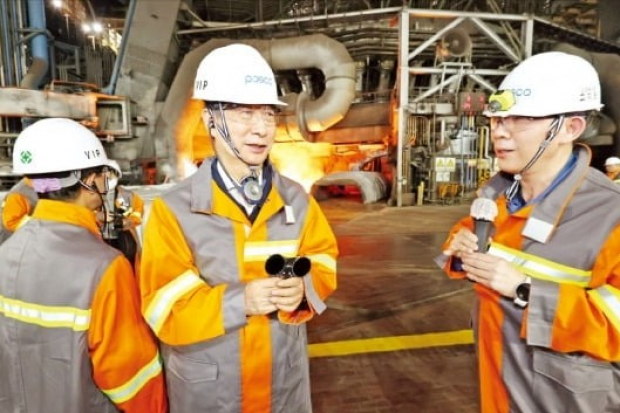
{"points": [[501, 101]]}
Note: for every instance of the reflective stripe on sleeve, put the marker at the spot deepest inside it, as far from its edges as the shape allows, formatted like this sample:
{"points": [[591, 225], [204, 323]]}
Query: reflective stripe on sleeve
{"points": [[128, 390], [325, 260], [260, 251], [46, 316], [540, 268], [22, 221], [160, 306], [608, 300]]}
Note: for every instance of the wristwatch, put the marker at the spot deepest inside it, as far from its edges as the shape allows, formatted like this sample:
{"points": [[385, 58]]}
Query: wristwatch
{"points": [[522, 298]]}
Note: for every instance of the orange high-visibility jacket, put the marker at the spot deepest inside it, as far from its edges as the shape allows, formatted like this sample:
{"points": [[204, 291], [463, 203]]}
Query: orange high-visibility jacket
{"points": [[560, 353], [200, 249], [72, 339]]}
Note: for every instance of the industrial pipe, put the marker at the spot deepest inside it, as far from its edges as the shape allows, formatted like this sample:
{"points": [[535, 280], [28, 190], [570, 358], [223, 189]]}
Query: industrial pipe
{"points": [[111, 87], [38, 46], [6, 46]]}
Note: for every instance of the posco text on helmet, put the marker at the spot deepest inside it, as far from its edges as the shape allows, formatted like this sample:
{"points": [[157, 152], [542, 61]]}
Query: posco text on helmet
{"points": [[237, 73], [56, 145], [547, 84]]}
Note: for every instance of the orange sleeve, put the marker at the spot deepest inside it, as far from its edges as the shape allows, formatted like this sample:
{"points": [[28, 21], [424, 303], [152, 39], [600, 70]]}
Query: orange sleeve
{"points": [[137, 209], [16, 208], [180, 307], [126, 361], [584, 322], [446, 261], [318, 242]]}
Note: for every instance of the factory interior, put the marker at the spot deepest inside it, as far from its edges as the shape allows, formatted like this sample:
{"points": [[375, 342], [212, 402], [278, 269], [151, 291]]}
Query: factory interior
{"points": [[383, 126]]}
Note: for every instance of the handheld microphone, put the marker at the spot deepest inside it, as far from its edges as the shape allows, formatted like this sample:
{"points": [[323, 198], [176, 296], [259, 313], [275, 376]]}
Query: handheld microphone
{"points": [[483, 211]]}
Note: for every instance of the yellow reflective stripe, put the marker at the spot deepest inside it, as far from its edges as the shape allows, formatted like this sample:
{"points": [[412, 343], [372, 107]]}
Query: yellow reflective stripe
{"points": [[161, 305], [128, 390], [608, 300], [260, 251], [22, 221], [136, 214], [46, 316], [325, 260], [541, 268]]}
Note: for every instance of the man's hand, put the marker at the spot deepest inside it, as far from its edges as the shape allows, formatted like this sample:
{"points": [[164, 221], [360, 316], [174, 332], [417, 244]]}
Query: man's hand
{"points": [[288, 293], [258, 295], [463, 242], [493, 272]]}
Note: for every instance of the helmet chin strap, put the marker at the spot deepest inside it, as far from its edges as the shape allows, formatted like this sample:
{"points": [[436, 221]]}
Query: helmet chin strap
{"points": [[554, 128], [249, 186]]}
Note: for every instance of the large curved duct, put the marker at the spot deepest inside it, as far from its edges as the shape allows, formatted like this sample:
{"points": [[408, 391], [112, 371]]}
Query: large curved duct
{"points": [[313, 51]]}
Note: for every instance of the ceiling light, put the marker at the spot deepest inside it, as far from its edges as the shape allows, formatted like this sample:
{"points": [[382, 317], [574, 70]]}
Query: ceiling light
{"points": [[57, 3]]}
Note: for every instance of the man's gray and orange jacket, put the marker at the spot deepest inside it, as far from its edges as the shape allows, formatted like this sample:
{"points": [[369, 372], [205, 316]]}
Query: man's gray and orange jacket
{"points": [[200, 250], [72, 339]]}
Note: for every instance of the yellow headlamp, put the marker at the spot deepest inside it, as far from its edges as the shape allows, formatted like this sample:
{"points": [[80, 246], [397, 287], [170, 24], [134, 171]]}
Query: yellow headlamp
{"points": [[501, 100]]}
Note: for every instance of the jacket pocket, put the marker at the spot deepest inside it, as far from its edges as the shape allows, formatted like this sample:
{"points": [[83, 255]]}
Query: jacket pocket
{"points": [[191, 370], [192, 384], [570, 382]]}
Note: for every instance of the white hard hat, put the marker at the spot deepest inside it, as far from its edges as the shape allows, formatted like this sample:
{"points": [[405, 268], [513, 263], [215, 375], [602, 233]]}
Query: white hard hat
{"points": [[116, 167], [56, 145], [546, 84], [614, 160], [237, 73]]}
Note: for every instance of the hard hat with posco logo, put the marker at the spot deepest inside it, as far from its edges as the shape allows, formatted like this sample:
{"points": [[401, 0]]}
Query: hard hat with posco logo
{"points": [[546, 84], [237, 73], [56, 145], [613, 160]]}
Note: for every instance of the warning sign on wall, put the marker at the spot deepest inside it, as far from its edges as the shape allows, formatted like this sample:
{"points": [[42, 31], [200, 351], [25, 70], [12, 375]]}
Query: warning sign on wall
{"points": [[445, 164]]}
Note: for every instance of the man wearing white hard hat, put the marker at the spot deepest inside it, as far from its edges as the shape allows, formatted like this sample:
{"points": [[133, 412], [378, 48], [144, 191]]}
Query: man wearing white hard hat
{"points": [[612, 168], [72, 339], [547, 311], [233, 337]]}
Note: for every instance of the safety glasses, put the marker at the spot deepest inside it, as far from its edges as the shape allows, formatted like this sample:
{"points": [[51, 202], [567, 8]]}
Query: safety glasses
{"points": [[247, 115], [515, 123]]}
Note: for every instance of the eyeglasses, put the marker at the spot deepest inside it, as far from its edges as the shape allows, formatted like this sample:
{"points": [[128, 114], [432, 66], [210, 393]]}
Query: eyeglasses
{"points": [[514, 123], [246, 115]]}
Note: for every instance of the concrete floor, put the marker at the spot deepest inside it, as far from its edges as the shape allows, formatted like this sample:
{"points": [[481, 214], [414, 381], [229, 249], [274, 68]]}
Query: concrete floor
{"points": [[390, 289]]}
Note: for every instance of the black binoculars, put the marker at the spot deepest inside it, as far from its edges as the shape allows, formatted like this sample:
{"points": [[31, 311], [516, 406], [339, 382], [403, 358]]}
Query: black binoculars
{"points": [[280, 266]]}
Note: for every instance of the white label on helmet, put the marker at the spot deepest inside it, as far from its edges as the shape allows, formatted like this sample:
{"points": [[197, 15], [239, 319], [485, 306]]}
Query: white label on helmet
{"points": [[93, 154], [588, 94], [522, 92], [201, 84], [258, 79]]}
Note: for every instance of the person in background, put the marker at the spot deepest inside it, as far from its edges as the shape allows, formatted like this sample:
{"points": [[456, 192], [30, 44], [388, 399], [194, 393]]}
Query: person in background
{"points": [[16, 207], [72, 338], [124, 210], [233, 338], [546, 317], [612, 167]]}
